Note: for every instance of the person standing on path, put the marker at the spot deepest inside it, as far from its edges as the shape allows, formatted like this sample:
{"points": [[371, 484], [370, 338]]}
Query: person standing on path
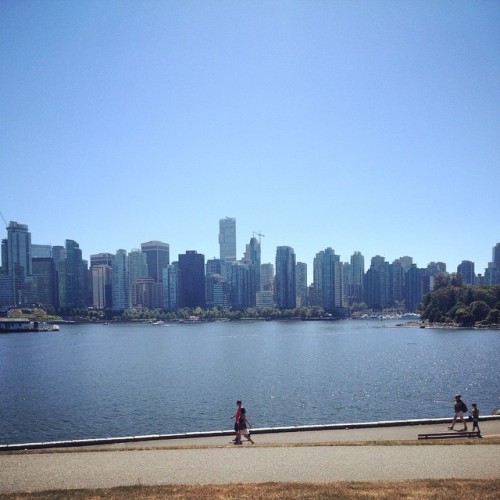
{"points": [[459, 407], [236, 416], [474, 412]]}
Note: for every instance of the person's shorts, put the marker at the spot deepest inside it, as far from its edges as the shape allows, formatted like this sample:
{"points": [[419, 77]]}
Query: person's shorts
{"points": [[245, 431], [459, 414]]}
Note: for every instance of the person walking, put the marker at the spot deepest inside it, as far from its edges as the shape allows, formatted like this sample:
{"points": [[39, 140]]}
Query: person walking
{"points": [[474, 413], [236, 416], [459, 408], [243, 427]]}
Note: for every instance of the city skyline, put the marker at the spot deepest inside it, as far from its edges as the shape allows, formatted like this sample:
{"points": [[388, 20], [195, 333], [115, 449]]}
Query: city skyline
{"points": [[352, 125], [146, 248], [59, 277]]}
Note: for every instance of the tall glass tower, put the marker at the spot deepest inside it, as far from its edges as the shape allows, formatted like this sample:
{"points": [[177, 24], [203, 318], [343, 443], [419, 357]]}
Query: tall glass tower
{"points": [[227, 239], [158, 258], [15, 283], [285, 278]]}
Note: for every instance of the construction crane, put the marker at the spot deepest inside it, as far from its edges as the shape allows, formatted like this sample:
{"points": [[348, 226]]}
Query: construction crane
{"points": [[260, 235], [4, 221]]}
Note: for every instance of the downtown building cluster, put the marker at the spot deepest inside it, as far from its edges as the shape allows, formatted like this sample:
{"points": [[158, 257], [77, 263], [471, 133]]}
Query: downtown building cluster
{"points": [[57, 277]]}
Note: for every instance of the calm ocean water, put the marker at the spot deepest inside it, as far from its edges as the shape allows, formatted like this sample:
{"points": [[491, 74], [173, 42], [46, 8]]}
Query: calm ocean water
{"points": [[89, 381]]}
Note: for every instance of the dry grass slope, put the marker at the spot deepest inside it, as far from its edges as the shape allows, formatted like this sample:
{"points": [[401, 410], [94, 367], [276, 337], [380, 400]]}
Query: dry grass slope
{"points": [[421, 489]]}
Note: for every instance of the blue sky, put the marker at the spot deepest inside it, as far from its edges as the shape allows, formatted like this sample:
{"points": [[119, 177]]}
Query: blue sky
{"points": [[367, 126]]}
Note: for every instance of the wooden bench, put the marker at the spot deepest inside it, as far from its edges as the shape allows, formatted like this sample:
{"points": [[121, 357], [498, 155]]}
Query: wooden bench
{"points": [[450, 435]]}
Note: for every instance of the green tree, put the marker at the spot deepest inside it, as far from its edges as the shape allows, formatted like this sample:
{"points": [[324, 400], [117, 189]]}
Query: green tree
{"points": [[479, 310]]}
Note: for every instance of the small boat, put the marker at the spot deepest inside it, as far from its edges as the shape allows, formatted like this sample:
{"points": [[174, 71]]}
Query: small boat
{"points": [[159, 322]]}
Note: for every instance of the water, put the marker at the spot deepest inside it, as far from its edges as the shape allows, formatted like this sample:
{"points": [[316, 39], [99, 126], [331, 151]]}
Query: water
{"points": [[89, 381]]}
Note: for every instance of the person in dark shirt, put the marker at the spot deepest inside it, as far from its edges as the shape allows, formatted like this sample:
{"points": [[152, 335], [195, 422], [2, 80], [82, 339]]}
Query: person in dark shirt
{"points": [[474, 413], [459, 408], [243, 427]]}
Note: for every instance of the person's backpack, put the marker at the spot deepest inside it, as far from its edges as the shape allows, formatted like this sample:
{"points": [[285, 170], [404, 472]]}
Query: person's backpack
{"points": [[464, 407]]}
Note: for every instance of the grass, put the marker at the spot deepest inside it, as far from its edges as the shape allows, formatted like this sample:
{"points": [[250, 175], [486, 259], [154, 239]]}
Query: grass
{"points": [[416, 489]]}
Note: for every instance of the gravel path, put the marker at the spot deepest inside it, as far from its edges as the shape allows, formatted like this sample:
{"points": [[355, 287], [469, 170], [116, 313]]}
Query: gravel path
{"points": [[216, 461]]}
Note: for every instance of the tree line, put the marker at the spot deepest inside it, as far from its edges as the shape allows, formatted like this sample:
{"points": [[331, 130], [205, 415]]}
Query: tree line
{"points": [[450, 301]]}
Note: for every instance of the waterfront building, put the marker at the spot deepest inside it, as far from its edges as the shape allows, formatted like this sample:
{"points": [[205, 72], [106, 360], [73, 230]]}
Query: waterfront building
{"points": [[354, 289], [158, 258], [145, 292], [252, 259], [138, 269], [413, 287], [171, 287], [243, 292], [191, 279], [492, 274], [16, 281], [466, 269], [45, 290], [301, 284], [75, 276], [120, 282], [218, 290], [227, 239], [376, 284], [396, 282], [267, 277], [101, 275], [252, 256], [265, 298], [59, 256], [330, 272], [285, 285]]}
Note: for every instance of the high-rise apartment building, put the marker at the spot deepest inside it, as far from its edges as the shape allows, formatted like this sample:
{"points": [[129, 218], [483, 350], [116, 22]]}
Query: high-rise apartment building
{"points": [[492, 272], [158, 258], [101, 275], [328, 281], [227, 239], [191, 279], [376, 284], [301, 284], [285, 286], [75, 271], [45, 290], [16, 278], [466, 269], [267, 277], [171, 287], [137, 270], [120, 282]]}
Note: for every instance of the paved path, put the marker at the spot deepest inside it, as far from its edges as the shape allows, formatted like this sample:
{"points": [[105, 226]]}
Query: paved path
{"points": [[214, 460]]}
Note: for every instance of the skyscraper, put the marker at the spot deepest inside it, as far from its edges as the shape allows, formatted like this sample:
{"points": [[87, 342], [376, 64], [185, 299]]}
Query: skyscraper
{"points": [[17, 258], [120, 281], [75, 279], [227, 239], [192, 279], [466, 269], [16, 281], [328, 283], [45, 282], [301, 284], [285, 286], [158, 258]]}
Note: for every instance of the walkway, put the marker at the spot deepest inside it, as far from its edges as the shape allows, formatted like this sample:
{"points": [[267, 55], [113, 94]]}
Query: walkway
{"points": [[288, 456]]}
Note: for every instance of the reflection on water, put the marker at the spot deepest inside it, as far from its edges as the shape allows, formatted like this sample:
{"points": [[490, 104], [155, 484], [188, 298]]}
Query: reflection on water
{"points": [[94, 380]]}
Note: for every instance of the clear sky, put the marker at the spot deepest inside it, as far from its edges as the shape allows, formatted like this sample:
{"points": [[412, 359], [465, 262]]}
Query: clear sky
{"points": [[369, 126]]}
